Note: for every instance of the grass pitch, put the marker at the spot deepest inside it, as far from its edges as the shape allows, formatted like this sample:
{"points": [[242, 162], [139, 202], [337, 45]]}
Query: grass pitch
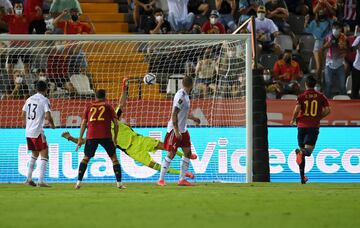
{"points": [[205, 205]]}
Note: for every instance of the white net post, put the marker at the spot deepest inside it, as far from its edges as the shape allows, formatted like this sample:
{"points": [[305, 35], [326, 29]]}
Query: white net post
{"points": [[222, 142]]}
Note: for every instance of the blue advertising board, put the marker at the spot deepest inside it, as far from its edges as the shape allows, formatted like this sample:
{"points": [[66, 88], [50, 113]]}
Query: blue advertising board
{"points": [[221, 156]]}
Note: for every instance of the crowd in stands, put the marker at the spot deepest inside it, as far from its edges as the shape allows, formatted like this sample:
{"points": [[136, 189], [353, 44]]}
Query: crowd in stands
{"points": [[295, 38]]}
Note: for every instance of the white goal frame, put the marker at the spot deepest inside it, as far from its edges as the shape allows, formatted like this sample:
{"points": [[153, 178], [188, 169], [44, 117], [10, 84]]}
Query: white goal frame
{"points": [[175, 37]]}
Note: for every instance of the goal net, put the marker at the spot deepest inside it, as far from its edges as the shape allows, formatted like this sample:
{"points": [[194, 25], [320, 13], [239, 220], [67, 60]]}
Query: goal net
{"points": [[76, 66]]}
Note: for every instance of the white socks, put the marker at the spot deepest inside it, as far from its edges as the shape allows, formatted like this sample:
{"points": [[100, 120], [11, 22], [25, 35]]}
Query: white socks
{"points": [[43, 163], [31, 168], [164, 167], [184, 167]]}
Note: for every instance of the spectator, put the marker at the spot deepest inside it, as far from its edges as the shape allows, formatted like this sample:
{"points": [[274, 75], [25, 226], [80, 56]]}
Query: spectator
{"points": [[17, 24], [8, 8], [350, 13], [206, 70], [18, 89], [58, 6], [33, 10], [351, 53], [230, 74], [73, 25], [198, 7], [297, 7], [329, 6], [179, 17], [355, 87], [196, 29], [157, 24], [266, 32], [320, 28], [287, 74], [213, 25], [227, 9], [336, 50], [142, 7], [278, 12], [248, 8]]}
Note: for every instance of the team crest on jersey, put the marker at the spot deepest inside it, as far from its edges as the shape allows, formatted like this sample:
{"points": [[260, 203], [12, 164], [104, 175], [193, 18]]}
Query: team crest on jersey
{"points": [[180, 101]]}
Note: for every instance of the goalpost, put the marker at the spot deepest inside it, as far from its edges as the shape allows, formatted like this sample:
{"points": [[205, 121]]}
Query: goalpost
{"points": [[75, 66]]}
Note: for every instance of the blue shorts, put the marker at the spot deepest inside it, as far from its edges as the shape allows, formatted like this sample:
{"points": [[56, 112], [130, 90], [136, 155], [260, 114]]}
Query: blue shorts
{"points": [[307, 136]]}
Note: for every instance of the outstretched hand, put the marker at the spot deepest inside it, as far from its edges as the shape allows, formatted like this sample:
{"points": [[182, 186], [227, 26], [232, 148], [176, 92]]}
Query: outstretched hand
{"points": [[125, 84]]}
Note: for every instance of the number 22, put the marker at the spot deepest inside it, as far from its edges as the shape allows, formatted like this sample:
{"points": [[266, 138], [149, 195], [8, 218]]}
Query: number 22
{"points": [[94, 110]]}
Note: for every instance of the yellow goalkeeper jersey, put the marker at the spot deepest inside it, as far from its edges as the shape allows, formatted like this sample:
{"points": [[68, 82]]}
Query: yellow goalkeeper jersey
{"points": [[125, 136]]}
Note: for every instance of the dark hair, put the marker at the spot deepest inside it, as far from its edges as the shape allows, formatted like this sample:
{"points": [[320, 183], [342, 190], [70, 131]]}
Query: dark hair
{"points": [[337, 24], [158, 10], [41, 86], [101, 94], [310, 81], [187, 81]]}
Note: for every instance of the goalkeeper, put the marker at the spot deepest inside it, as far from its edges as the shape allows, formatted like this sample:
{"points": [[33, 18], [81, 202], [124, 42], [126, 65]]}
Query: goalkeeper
{"points": [[135, 145]]}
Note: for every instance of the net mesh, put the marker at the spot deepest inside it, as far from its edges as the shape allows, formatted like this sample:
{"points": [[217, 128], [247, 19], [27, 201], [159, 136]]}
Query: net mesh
{"points": [[74, 70]]}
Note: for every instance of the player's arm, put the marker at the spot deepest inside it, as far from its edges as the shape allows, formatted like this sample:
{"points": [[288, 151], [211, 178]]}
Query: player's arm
{"points": [[123, 97], [193, 118], [295, 114], [325, 112], [116, 130], [50, 120], [175, 121]]}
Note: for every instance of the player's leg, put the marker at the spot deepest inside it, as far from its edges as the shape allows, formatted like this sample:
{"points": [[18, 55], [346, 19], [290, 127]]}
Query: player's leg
{"points": [[185, 161], [170, 143], [34, 156], [300, 157], [160, 146], [90, 148], [43, 164], [70, 138], [110, 149]]}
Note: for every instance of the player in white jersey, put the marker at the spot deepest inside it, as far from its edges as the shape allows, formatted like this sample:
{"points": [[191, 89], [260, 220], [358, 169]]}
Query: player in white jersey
{"points": [[36, 110], [177, 134]]}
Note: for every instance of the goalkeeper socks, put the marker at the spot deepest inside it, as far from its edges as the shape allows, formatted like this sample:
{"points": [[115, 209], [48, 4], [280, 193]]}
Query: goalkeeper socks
{"points": [[184, 167], [164, 167], [31, 167], [180, 154], [157, 166], [117, 171], [82, 169], [43, 163], [306, 151]]}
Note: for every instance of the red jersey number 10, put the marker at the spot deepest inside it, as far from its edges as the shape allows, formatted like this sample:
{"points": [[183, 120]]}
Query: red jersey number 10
{"points": [[311, 108], [94, 111]]}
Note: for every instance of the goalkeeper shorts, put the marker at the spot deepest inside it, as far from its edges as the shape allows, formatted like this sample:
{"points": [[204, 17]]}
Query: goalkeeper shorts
{"points": [[140, 148]]}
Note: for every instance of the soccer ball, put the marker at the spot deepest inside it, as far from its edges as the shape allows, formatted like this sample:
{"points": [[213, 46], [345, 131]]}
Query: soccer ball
{"points": [[149, 79]]}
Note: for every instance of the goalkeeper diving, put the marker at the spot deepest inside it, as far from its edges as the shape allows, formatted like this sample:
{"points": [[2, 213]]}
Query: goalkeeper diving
{"points": [[133, 144]]}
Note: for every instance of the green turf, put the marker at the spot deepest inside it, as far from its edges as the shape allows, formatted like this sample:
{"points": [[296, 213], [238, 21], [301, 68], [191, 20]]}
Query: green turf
{"points": [[205, 205]]}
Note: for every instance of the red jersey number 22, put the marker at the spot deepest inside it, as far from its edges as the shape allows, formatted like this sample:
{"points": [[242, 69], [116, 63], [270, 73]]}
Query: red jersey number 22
{"points": [[95, 110]]}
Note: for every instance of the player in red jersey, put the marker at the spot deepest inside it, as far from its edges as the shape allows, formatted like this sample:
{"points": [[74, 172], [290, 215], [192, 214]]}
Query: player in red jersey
{"points": [[311, 107], [97, 118]]}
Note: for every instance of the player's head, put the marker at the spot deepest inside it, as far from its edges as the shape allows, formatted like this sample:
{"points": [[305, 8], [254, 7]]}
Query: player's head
{"points": [[100, 94], [41, 86], [310, 82], [188, 83]]}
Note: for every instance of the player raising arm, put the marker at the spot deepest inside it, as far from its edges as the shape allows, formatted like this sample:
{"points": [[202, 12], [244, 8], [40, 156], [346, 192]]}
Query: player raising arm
{"points": [[134, 145], [311, 107], [97, 118], [177, 134], [35, 110]]}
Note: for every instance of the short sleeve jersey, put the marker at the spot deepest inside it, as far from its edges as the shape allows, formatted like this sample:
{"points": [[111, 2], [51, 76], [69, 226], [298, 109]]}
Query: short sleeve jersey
{"points": [[70, 27], [312, 104], [35, 107], [182, 102], [99, 117]]}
